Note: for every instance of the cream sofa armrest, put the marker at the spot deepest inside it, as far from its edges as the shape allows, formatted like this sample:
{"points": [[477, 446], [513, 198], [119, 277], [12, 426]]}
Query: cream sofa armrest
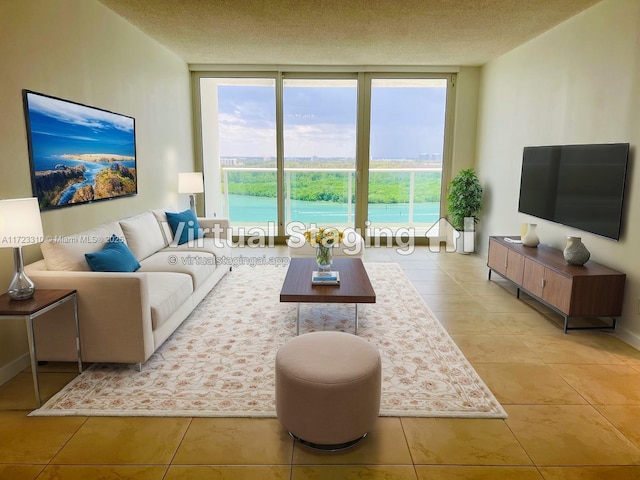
{"points": [[110, 306], [215, 227]]}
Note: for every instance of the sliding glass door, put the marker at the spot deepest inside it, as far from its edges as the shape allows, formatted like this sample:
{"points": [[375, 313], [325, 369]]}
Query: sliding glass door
{"points": [[239, 150], [319, 117], [406, 151], [334, 149]]}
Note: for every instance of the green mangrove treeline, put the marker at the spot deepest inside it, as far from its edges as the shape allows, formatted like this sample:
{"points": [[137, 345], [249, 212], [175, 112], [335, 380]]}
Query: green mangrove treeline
{"points": [[384, 187]]}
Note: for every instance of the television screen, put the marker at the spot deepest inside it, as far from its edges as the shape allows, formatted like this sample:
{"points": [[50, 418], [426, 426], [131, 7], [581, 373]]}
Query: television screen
{"points": [[78, 154], [580, 186]]}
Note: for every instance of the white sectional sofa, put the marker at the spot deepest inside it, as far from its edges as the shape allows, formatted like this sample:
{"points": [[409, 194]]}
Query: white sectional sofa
{"points": [[125, 316]]}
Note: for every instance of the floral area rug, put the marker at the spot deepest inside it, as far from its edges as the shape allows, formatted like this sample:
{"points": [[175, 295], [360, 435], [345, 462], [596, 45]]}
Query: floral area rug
{"points": [[221, 361]]}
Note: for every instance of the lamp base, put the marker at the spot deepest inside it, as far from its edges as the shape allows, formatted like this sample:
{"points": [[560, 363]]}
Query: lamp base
{"points": [[192, 202], [21, 286]]}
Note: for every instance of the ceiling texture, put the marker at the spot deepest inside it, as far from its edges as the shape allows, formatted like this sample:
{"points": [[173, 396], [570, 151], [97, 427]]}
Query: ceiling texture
{"points": [[344, 32]]}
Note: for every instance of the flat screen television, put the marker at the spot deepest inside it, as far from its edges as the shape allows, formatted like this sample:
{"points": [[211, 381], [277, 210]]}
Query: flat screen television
{"points": [[580, 186]]}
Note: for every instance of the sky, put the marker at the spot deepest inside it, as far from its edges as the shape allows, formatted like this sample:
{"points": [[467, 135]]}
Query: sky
{"points": [[59, 127], [321, 121]]}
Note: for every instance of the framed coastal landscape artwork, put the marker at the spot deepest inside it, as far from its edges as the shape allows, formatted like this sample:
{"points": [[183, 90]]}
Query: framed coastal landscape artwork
{"points": [[78, 154]]}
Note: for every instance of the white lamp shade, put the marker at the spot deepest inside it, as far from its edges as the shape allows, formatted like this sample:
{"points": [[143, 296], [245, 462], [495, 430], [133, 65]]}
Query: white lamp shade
{"points": [[20, 222], [190, 182]]}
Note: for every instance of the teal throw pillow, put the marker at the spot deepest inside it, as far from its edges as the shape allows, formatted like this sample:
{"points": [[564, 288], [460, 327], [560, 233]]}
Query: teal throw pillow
{"points": [[185, 226], [115, 256]]}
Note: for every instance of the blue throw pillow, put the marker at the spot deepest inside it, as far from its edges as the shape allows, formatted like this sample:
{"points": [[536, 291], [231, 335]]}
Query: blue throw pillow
{"points": [[184, 226], [115, 256]]}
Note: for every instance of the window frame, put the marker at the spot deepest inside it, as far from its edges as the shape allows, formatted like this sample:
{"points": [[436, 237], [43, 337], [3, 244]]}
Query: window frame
{"points": [[364, 76]]}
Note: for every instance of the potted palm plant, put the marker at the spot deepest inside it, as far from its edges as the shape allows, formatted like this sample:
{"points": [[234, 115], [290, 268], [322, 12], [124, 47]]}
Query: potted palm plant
{"points": [[464, 200]]}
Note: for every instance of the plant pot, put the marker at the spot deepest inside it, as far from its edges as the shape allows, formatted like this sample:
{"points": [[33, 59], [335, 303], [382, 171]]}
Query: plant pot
{"points": [[465, 244]]}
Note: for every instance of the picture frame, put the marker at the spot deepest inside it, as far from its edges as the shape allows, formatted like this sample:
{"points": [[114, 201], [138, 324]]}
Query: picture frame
{"points": [[78, 154]]}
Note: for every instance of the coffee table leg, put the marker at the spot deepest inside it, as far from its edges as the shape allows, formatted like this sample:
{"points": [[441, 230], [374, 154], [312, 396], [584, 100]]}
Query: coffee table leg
{"points": [[298, 321], [356, 331]]}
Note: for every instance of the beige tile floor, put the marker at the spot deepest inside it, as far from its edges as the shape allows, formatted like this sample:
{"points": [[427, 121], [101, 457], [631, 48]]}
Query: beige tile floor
{"points": [[573, 403]]}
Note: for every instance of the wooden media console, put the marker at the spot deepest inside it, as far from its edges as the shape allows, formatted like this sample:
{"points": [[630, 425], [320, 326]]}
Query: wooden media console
{"points": [[591, 290]]}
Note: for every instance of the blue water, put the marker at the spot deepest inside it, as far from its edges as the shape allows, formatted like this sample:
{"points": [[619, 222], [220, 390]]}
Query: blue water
{"points": [[92, 169], [246, 209]]}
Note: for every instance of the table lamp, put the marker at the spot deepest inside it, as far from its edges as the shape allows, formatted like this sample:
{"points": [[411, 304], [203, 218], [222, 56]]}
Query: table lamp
{"points": [[191, 183], [20, 225]]}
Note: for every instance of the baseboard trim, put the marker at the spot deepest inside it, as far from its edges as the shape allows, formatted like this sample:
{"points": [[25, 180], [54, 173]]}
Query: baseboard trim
{"points": [[627, 336], [13, 368]]}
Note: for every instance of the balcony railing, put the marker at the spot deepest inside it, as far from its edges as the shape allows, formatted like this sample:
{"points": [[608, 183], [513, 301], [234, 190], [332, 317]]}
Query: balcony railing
{"points": [[345, 210]]}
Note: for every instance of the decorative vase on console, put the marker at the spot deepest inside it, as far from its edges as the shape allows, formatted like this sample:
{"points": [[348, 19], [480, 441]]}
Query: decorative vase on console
{"points": [[531, 237], [575, 253], [324, 257]]}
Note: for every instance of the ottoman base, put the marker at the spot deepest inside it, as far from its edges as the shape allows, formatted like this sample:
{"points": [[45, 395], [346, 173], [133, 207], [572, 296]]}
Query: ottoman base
{"points": [[338, 447]]}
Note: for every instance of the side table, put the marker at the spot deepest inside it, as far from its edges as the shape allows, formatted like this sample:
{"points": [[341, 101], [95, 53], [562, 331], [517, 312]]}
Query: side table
{"points": [[41, 302]]}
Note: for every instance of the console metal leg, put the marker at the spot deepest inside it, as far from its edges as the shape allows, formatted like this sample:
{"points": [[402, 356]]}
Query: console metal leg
{"points": [[611, 327]]}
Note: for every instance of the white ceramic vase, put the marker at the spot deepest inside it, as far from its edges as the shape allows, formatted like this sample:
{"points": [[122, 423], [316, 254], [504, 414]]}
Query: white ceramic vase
{"points": [[531, 237], [575, 253]]}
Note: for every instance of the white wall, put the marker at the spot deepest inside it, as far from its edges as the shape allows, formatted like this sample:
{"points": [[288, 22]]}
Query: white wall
{"points": [[577, 83], [81, 51], [466, 116]]}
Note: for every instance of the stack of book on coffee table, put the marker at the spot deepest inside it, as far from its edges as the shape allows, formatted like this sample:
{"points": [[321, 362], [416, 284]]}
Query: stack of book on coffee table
{"points": [[325, 278]]}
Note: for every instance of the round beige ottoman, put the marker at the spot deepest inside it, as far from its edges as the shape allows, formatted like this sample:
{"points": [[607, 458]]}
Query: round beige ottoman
{"points": [[328, 389]]}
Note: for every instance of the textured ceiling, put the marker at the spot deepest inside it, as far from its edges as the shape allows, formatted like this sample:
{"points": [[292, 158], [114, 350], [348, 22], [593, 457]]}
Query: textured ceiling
{"points": [[344, 32]]}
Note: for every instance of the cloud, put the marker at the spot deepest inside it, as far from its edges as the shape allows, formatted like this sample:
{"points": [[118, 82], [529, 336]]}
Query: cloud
{"points": [[320, 140], [241, 138], [237, 138], [76, 114], [321, 122], [69, 137]]}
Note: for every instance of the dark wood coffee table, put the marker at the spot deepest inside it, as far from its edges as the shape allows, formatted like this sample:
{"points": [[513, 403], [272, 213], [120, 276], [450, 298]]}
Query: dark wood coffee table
{"points": [[354, 287]]}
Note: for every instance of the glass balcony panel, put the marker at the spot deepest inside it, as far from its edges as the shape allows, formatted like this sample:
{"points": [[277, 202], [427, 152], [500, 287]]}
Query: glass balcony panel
{"points": [[252, 197], [405, 168], [239, 150], [323, 197], [319, 150]]}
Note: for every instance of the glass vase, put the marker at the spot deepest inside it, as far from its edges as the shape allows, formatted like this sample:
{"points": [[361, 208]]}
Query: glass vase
{"points": [[324, 257]]}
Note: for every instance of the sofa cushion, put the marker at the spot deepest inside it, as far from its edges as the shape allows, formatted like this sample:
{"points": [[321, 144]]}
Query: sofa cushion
{"points": [[67, 253], [161, 217], [184, 226], [115, 256], [167, 293], [199, 265], [143, 234]]}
